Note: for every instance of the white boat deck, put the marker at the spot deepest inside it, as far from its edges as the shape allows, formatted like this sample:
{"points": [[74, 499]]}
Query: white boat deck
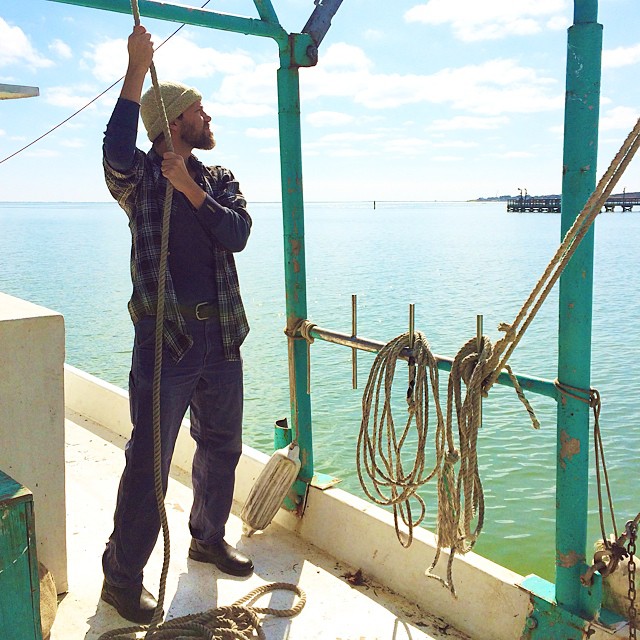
{"points": [[335, 610]]}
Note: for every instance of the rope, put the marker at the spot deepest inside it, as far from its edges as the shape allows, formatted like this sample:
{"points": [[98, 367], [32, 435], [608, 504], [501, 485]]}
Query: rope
{"points": [[592, 398], [303, 328], [237, 621], [381, 456], [162, 277]]}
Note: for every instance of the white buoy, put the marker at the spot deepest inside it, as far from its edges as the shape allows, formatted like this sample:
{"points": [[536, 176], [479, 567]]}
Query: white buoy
{"points": [[270, 489]]}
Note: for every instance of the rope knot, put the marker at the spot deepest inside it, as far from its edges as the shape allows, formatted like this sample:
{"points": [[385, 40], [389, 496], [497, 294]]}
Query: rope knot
{"points": [[508, 330], [451, 457], [302, 328]]}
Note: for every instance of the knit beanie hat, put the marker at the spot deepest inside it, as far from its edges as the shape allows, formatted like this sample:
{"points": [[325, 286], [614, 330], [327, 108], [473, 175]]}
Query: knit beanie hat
{"points": [[176, 97]]}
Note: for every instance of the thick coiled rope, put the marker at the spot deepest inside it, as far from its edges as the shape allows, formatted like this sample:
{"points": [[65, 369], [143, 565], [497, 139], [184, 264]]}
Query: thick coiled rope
{"points": [[238, 621], [392, 463]]}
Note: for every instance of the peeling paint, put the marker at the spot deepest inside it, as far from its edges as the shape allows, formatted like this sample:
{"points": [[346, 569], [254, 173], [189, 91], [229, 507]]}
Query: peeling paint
{"points": [[570, 559], [569, 447], [296, 245]]}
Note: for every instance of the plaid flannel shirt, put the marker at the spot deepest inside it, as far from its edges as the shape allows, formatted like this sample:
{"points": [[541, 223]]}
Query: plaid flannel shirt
{"points": [[141, 193]]}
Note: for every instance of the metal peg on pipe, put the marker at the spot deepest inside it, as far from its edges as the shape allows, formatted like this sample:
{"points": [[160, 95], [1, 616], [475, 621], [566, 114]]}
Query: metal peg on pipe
{"points": [[412, 324], [354, 332], [479, 331], [308, 368]]}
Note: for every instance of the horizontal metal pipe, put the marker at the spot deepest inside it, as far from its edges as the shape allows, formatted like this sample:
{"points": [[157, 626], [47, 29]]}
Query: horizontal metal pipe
{"points": [[528, 383], [189, 15]]}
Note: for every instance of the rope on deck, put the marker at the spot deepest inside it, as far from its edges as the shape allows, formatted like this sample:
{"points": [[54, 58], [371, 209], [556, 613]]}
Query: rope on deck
{"points": [[238, 621]]}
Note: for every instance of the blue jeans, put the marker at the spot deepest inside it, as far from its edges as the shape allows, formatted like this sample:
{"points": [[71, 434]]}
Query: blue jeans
{"points": [[212, 388]]}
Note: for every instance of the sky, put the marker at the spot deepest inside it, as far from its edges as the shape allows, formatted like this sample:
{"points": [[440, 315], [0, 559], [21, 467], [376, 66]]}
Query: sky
{"points": [[410, 100]]}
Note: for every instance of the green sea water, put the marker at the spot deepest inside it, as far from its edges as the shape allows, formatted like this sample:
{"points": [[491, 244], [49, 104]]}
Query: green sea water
{"points": [[452, 260]]}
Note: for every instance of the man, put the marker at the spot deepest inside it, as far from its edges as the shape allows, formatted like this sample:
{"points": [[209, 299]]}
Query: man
{"points": [[203, 329]]}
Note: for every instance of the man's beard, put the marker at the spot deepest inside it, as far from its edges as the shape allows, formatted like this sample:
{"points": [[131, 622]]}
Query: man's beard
{"points": [[203, 140]]}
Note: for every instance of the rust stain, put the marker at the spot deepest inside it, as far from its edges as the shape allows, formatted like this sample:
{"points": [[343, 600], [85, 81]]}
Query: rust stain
{"points": [[295, 246], [568, 560], [569, 447], [296, 266]]}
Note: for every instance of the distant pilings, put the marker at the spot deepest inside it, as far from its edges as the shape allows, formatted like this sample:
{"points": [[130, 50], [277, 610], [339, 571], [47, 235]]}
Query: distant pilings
{"points": [[524, 204]]}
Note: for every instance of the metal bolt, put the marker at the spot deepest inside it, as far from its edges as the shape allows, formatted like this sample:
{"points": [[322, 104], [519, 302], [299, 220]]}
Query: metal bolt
{"points": [[532, 623], [312, 53]]}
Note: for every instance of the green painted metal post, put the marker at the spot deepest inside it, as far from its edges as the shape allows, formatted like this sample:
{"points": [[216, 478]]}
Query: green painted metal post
{"points": [[267, 27], [584, 52], [295, 272]]}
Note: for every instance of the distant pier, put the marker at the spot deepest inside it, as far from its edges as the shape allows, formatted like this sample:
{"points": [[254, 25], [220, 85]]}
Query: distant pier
{"points": [[523, 204]]}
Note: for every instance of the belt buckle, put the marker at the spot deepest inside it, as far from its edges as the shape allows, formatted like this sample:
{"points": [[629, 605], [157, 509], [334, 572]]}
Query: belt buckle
{"points": [[200, 304]]}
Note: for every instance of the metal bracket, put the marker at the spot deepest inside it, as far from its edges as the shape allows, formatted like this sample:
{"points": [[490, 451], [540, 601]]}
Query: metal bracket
{"points": [[549, 621], [320, 20]]}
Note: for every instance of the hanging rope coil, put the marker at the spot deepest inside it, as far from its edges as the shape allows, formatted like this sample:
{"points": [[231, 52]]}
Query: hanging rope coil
{"points": [[382, 458], [380, 453], [238, 621]]}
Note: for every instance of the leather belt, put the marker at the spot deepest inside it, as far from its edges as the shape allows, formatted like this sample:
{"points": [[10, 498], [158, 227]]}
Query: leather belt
{"points": [[200, 311]]}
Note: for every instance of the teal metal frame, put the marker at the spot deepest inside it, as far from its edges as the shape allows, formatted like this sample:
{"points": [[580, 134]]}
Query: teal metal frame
{"points": [[584, 52], [560, 610]]}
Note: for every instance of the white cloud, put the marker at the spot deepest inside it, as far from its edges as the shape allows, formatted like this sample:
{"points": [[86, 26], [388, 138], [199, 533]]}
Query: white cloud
{"points": [[180, 59], [239, 110], [42, 153], [490, 19], [447, 158], [252, 88], [107, 60], [266, 133], [334, 138], [492, 88], [73, 143], [455, 144], [69, 97], [15, 48], [349, 152], [620, 57], [516, 154], [329, 119], [619, 118], [468, 122], [61, 49], [374, 35], [558, 23], [407, 146]]}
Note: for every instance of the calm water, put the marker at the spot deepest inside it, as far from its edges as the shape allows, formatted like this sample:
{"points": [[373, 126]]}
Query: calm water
{"points": [[453, 260]]}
